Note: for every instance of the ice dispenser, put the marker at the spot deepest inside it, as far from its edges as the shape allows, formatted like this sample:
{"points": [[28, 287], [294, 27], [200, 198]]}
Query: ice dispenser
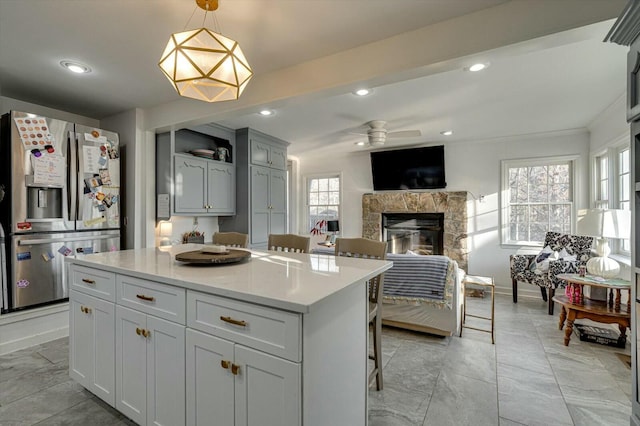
{"points": [[44, 203]]}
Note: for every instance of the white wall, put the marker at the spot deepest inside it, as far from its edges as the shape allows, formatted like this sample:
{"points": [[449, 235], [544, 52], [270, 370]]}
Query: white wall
{"points": [[10, 104], [470, 166], [610, 125]]}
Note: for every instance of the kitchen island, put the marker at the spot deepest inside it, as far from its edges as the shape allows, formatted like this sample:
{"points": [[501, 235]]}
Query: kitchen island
{"points": [[278, 339]]}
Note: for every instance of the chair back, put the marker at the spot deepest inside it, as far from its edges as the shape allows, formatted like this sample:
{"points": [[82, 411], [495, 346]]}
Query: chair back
{"points": [[231, 239], [574, 244], [366, 249], [289, 243]]}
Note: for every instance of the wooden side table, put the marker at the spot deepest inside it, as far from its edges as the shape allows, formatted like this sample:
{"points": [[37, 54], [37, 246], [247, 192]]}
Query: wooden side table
{"points": [[484, 282], [576, 306]]}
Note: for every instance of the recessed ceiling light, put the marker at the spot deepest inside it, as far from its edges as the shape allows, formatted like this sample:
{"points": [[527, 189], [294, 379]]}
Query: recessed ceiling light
{"points": [[361, 143], [266, 112], [447, 132], [75, 67], [477, 67], [362, 92]]}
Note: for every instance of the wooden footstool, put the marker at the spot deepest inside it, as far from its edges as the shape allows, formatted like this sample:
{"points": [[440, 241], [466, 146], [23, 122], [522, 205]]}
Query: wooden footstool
{"points": [[484, 282]]}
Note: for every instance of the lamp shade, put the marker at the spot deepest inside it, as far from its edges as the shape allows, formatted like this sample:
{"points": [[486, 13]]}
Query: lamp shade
{"points": [[333, 226], [204, 65], [166, 229], [605, 223]]}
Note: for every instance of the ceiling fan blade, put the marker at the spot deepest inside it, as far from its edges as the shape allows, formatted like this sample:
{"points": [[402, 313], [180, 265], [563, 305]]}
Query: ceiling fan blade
{"points": [[404, 134]]}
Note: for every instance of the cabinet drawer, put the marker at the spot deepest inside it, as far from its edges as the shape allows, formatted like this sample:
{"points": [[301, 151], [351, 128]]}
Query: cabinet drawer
{"points": [[153, 298], [96, 282], [269, 330]]}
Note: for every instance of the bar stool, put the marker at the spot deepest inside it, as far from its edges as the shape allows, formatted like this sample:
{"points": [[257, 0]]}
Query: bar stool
{"points": [[482, 282]]}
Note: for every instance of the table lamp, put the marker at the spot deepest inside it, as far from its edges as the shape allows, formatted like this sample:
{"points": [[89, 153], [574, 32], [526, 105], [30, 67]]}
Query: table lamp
{"points": [[166, 229], [333, 226], [604, 224]]}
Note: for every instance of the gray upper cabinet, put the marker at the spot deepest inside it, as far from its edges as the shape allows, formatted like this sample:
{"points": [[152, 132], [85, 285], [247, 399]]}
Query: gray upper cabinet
{"points": [[265, 153], [197, 183], [261, 195]]}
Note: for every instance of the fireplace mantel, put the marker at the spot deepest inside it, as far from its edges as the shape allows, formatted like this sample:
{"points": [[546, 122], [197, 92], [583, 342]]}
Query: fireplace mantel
{"points": [[452, 204]]}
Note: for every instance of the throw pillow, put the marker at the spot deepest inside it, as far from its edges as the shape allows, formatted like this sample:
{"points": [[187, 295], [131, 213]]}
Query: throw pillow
{"points": [[541, 264], [564, 255]]}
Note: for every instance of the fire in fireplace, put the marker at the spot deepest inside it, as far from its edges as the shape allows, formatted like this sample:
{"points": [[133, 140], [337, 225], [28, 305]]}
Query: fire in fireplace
{"points": [[422, 233]]}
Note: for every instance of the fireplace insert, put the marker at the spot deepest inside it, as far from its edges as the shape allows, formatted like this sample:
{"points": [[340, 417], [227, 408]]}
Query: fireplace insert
{"points": [[422, 233]]}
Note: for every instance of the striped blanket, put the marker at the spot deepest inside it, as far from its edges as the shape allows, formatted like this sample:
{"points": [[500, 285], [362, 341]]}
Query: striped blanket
{"points": [[418, 279]]}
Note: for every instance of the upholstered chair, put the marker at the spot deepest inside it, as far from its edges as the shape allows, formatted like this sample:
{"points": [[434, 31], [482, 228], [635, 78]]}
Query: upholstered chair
{"points": [[523, 265]]}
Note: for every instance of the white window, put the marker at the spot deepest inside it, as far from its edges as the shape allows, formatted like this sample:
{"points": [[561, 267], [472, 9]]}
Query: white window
{"points": [[611, 185], [602, 182], [537, 196], [323, 201], [623, 186]]}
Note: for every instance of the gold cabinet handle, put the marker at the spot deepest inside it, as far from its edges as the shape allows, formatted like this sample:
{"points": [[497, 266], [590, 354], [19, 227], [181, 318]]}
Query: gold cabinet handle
{"points": [[235, 369], [147, 298], [234, 321], [88, 281], [224, 364], [85, 309], [143, 332]]}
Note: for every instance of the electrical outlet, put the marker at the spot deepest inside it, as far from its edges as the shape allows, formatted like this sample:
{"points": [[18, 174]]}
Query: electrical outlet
{"points": [[195, 221], [481, 199]]}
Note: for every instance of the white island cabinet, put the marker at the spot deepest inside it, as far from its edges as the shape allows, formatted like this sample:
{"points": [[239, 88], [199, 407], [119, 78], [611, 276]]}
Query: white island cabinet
{"points": [[276, 340]]}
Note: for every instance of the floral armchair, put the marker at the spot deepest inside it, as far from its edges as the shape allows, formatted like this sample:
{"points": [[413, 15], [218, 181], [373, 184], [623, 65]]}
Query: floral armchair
{"points": [[521, 264]]}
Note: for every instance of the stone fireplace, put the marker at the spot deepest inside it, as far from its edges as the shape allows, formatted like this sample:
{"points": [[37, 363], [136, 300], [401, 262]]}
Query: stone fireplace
{"points": [[453, 206]]}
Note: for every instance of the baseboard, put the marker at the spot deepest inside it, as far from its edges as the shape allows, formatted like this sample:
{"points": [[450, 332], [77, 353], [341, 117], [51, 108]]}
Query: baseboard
{"points": [[28, 341], [23, 329]]}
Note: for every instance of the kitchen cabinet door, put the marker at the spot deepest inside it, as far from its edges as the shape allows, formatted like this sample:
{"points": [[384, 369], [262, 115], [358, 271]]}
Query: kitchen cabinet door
{"points": [[131, 364], [260, 212], [210, 385], [165, 372], [221, 188], [150, 385], [92, 344], [277, 202], [190, 185], [278, 157], [267, 388]]}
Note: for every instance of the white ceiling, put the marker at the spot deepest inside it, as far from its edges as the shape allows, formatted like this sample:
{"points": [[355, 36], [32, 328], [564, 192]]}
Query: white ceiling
{"points": [[544, 86]]}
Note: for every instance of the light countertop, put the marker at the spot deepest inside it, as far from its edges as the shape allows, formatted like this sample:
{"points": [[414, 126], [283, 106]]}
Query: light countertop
{"points": [[290, 281]]}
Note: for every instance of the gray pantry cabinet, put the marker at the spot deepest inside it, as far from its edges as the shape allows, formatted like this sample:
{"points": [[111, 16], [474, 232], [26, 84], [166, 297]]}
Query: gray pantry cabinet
{"points": [[261, 196], [197, 185]]}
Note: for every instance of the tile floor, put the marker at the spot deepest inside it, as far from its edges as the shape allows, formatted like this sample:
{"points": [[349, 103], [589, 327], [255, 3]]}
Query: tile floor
{"points": [[527, 378]]}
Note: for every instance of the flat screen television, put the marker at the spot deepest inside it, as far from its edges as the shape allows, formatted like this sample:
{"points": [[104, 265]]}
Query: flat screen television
{"points": [[414, 168]]}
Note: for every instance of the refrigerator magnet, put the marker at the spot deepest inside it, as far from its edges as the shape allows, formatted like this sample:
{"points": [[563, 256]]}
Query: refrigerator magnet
{"points": [[65, 251], [22, 283], [23, 226], [25, 255], [47, 256], [102, 161], [105, 177], [100, 196]]}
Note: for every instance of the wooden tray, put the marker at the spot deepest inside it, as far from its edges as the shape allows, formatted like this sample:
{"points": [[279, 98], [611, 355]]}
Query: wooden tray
{"points": [[201, 258]]}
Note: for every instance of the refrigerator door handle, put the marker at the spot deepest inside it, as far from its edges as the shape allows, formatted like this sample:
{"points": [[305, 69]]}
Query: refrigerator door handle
{"points": [[30, 242], [72, 176]]}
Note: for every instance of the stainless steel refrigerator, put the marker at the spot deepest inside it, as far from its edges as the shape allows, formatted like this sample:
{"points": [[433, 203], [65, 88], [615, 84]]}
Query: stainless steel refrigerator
{"points": [[61, 184]]}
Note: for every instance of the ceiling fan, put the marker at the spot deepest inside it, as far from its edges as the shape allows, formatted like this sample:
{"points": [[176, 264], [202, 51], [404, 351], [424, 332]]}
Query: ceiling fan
{"points": [[377, 133]]}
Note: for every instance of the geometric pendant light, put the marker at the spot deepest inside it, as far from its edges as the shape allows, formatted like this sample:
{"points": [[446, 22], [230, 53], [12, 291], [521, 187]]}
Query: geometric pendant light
{"points": [[205, 65]]}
